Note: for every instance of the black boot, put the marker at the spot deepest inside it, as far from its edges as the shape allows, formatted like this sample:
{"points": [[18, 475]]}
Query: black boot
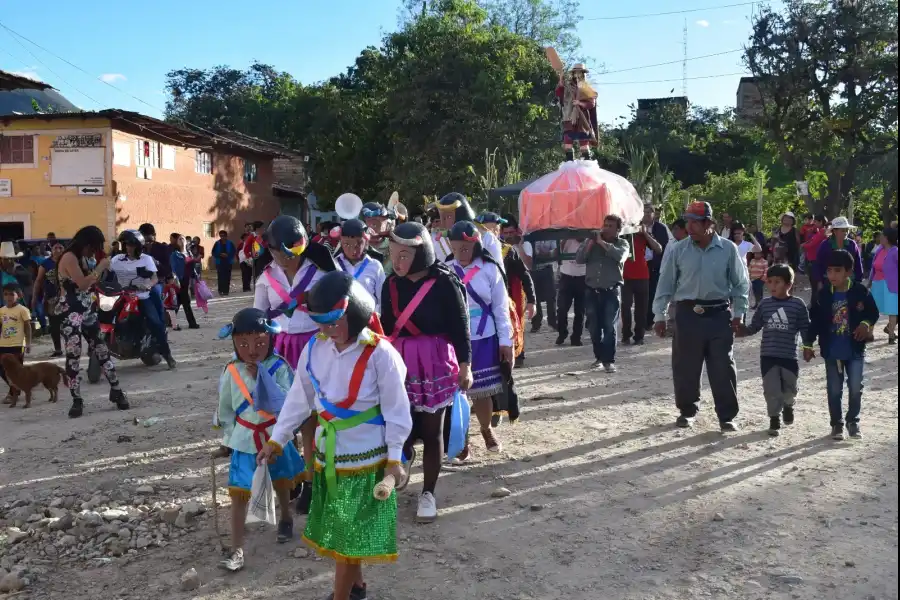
{"points": [[117, 397], [570, 155], [77, 408], [304, 497], [585, 155]]}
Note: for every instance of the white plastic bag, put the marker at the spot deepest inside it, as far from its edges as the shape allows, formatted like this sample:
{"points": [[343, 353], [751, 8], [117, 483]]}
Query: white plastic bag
{"points": [[262, 498]]}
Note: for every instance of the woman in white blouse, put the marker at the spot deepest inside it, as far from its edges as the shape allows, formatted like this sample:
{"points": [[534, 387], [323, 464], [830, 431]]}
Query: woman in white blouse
{"points": [[490, 327]]}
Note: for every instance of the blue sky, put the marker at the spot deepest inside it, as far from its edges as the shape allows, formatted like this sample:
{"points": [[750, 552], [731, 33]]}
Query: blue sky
{"points": [[133, 45]]}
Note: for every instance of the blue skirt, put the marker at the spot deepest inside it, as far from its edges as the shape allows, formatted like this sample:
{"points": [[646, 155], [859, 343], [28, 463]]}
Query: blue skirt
{"points": [[884, 298], [286, 471], [486, 368]]}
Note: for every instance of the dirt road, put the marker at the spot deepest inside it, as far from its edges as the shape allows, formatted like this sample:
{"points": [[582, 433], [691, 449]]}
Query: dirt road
{"points": [[608, 500]]}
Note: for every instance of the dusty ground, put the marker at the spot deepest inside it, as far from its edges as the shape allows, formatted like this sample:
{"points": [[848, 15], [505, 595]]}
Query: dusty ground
{"points": [[608, 501]]}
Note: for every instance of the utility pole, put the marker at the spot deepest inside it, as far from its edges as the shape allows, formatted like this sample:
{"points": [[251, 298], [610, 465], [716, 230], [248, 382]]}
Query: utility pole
{"points": [[684, 64]]}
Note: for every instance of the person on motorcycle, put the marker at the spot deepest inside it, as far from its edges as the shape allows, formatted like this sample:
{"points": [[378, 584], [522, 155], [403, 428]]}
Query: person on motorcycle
{"points": [[161, 254], [125, 267]]}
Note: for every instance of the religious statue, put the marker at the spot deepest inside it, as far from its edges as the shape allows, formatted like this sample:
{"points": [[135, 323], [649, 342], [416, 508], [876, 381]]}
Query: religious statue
{"points": [[579, 111]]}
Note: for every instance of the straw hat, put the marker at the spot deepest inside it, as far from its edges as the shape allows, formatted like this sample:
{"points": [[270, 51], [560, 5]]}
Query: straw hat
{"points": [[8, 250], [579, 67]]}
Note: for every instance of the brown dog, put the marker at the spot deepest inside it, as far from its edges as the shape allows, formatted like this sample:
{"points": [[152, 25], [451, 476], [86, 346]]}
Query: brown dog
{"points": [[28, 377]]}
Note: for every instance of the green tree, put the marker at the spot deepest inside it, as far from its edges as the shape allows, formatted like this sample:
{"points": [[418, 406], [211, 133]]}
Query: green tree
{"points": [[827, 73]]}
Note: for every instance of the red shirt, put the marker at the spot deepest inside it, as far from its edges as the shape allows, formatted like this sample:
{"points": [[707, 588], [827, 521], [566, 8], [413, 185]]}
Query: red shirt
{"points": [[637, 268]]}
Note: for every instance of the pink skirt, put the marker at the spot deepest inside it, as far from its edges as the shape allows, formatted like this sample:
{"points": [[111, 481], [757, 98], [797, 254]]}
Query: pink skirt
{"points": [[432, 371], [289, 346]]}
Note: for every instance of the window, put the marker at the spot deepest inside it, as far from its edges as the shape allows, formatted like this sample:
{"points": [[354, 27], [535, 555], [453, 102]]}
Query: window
{"points": [[203, 162], [17, 149], [250, 174], [148, 154], [208, 230]]}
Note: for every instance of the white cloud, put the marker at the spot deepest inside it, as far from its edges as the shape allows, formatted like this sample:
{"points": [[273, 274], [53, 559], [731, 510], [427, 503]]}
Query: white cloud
{"points": [[112, 77], [703, 23], [29, 72]]}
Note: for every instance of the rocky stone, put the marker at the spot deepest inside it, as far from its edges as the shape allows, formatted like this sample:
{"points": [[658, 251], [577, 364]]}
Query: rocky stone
{"points": [[169, 515], [16, 535], [11, 582], [124, 533], [57, 503], [718, 517], [57, 513], [788, 579], [141, 543], [501, 493], [67, 541], [183, 521], [145, 490], [91, 518], [190, 580], [192, 509], [114, 514], [64, 523], [301, 553]]}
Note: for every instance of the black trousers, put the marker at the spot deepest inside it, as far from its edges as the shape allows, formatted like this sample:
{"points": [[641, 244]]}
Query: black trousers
{"points": [[545, 292], [635, 293], [223, 271], [184, 301], [246, 276], [571, 291]]}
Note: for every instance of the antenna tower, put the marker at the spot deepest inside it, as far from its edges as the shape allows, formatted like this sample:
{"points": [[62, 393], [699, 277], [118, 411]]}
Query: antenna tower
{"points": [[684, 64]]}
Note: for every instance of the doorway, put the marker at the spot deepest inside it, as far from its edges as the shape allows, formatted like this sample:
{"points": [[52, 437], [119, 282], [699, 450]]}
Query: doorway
{"points": [[15, 227]]}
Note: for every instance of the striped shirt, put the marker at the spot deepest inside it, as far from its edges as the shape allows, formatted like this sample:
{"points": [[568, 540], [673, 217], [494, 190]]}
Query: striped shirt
{"points": [[781, 322], [758, 269]]}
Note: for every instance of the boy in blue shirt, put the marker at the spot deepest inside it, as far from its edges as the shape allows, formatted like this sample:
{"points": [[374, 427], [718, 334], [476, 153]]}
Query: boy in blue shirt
{"points": [[842, 319]]}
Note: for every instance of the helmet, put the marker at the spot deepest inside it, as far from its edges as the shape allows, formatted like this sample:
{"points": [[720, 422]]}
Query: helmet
{"points": [[133, 238], [286, 233], [374, 209], [415, 235], [466, 231], [354, 228], [489, 217], [459, 203], [251, 320], [338, 294]]}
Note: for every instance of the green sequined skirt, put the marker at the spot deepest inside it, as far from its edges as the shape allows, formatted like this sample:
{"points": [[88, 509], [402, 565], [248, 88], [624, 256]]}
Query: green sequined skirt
{"points": [[353, 527]]}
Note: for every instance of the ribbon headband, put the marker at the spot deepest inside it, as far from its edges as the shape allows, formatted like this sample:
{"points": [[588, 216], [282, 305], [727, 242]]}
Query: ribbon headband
{"points": [[446, 207], [378, 212], [271, 327], [333, 315], [298, 248], [416, 241], [471, 238]]}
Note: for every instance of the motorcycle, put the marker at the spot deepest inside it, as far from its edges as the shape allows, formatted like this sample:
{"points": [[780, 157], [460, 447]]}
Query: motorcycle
{"points": [[122, 327]]}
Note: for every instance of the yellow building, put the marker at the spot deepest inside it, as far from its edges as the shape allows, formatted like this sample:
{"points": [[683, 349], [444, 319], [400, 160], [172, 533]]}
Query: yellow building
{"points": [[36, 199]]}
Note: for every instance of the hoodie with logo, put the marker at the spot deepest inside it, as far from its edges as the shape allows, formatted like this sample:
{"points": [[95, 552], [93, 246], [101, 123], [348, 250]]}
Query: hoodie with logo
{"points": [[782, 322]]}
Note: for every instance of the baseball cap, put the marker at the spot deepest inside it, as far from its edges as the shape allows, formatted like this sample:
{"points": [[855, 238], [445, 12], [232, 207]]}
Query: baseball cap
{"points": [[698, 211]]}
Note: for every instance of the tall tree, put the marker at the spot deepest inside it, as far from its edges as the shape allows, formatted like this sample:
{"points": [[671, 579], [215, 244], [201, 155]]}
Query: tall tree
{"points": [[547, 22], [827, 72]]}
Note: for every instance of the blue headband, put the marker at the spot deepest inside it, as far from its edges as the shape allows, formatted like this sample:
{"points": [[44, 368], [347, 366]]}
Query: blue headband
{"points": [[272, 328], [328, 318]]}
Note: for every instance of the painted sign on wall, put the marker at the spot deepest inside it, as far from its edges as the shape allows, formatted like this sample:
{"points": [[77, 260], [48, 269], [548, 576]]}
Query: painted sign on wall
{"points": [[90, 140], [5, 188]]}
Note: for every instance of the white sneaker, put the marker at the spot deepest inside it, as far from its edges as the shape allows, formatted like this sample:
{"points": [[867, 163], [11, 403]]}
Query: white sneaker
{"points": [[610, 368], [427, 512], [235, 562]]}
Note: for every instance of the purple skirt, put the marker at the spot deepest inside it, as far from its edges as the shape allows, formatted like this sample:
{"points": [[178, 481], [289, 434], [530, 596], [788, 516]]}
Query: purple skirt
{"points": [[486, 368], [432, 371], [289, 346]]}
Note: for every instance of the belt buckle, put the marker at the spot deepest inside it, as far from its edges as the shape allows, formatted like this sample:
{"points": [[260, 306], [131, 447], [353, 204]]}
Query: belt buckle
{"points": [[699, 309]]}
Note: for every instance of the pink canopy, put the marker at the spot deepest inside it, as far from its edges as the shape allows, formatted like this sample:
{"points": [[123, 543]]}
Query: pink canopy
{"points": [[578, 195]]}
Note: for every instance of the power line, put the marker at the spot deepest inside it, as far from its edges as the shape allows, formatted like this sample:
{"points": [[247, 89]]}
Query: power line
{"points": [[671, 12], [673, 62], [142, 101], [57, 75], [670, 80]]}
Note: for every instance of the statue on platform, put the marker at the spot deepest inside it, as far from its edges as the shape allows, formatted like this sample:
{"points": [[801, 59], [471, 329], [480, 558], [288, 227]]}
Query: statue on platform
{"points": [[579, 111]]}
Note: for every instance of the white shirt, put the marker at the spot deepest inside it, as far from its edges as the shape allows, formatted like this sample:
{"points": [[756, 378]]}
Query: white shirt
{"points": [[488, 284], [383, 384], [489, 242], [570, 267], [527, 248], [743, 248], [126, 271], [371, 276], [266, 298]]}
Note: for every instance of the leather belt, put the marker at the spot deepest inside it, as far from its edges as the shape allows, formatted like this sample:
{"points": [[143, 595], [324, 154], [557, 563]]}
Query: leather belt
{"points": [[705, 307]]}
